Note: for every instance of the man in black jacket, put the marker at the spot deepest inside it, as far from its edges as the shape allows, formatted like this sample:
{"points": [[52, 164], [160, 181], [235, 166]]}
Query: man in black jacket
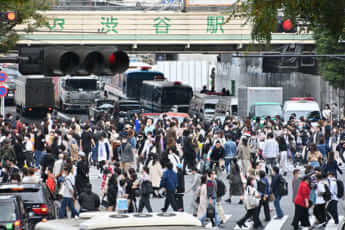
{"points": [[88, 200], [180, 189]]}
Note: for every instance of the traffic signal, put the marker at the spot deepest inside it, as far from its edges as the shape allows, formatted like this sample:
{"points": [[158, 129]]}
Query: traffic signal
{"points": [[77, 60], [279, 64], [8, 17], [285, 25]]}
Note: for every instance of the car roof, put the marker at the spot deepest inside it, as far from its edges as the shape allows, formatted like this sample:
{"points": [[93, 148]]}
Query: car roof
{"points": [[267, 103], [112, 220], [23, 185], [8, 197]]}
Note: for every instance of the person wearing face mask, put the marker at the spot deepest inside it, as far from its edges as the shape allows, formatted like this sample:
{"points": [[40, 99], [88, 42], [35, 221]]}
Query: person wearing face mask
{"points": [[126, 153]]}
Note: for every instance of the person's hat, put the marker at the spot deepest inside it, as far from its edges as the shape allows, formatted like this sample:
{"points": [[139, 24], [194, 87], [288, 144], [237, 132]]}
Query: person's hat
{"points": [[82, 154], [127, 126]]}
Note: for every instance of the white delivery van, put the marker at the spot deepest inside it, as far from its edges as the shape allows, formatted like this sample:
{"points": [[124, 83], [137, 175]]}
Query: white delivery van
{"points": [[305, 107]]}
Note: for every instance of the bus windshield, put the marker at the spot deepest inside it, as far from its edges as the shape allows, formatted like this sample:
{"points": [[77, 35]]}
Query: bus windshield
{"points": [[134, 81], [177, 96]]}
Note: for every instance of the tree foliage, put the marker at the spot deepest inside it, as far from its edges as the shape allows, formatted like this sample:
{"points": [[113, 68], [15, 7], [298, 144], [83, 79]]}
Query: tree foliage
{"points": [[332, 69], [261, 14], [27, 13]]}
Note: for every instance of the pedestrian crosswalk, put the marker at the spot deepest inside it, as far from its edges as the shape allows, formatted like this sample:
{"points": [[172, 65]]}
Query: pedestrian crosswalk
{"points": [[209, 225], [330, 226], [276, 224], [279, 223]]}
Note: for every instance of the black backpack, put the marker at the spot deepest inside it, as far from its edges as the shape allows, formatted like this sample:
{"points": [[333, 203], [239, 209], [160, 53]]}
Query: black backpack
{"points": [[283, 189], [221, 190], [340, 189], [261, 186], [327, 195]]}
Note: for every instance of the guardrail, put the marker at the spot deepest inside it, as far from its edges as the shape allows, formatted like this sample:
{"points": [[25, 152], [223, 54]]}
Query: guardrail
{"points": [[118, 5]]}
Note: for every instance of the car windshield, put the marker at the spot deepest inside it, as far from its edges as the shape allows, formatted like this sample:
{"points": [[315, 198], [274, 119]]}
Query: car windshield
{"points": [[310, 115], [210, 106], [28, 195], [267, 110], [10, 214], [105, 102], [85, 84]]}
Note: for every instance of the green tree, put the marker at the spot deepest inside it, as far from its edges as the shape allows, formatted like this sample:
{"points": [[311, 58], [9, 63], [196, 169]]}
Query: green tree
{"points": [[261, 14], [28, 12], [332, 69]]}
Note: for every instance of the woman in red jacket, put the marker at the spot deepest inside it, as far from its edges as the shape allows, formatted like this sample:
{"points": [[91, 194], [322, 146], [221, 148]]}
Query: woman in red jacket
{"points": [[302, 204]]}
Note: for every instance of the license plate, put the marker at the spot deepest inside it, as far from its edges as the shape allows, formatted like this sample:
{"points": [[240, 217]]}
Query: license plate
{"points": [[10, 94]]}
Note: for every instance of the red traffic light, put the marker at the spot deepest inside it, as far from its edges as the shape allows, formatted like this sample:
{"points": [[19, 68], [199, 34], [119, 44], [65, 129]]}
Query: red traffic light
{"points": [[287, 25], [11, 16]]}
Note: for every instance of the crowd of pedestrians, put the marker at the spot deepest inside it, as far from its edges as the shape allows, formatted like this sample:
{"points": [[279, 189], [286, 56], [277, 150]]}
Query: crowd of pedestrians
{"points": [[144, 158]]}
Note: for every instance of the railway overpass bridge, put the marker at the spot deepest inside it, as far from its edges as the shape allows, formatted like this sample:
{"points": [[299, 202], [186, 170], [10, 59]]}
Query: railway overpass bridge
{"points": [[152, 31]]}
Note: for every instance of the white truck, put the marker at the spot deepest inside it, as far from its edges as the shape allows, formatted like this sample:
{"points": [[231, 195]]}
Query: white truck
{"points": [[210, 106], [260, 101], [76, 93]]}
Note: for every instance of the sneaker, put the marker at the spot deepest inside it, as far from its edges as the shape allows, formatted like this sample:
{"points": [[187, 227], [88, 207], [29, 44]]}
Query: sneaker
{"points": [[76, 217]]}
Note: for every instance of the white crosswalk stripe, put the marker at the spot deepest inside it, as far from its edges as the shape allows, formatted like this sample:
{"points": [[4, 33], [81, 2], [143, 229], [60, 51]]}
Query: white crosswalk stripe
{"points": [[276, 224], [330, 226]]}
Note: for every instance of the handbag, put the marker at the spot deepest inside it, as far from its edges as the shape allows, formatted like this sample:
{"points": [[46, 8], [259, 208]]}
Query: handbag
{"points": [[122, 204], [271, 197], [210, 211], [252, 201]]}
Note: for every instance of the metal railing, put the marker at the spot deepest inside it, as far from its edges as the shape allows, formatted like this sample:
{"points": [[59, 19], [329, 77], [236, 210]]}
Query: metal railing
{"points": [[118, 5]]}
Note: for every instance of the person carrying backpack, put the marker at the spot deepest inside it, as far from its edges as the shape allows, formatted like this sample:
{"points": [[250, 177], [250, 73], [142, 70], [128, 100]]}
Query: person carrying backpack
{"points": [[278, 191], [332, 207]]}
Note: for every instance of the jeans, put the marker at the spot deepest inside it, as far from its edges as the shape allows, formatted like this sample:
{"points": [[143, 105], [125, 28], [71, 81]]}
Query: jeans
{"points": [[203, 218], [228, 162], [37, 157], [276, 203], [67, 202]]}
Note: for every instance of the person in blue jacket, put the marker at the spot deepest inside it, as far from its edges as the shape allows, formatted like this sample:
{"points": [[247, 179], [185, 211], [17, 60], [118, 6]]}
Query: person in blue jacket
{"points": [[169, 183]]}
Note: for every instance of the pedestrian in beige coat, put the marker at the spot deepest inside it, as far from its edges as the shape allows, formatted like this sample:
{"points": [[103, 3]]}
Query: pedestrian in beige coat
{"points": [[203, 201], [156, 172]]}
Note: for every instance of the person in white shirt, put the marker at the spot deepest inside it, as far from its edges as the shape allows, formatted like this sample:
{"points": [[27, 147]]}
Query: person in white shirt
{"points": [[270, 151], [68, 193], [320, 203], [174, 158], [29, 176], [57, 170], [332, 207]]}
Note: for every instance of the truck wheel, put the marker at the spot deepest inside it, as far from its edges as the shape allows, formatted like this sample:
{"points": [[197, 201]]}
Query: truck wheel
{"points": [[17, 109]]}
